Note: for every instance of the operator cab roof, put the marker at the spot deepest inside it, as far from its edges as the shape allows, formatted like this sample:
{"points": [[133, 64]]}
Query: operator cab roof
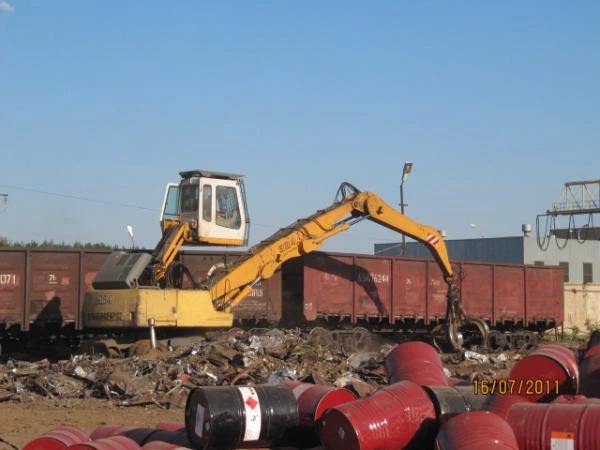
{"points": [[210, 174]]}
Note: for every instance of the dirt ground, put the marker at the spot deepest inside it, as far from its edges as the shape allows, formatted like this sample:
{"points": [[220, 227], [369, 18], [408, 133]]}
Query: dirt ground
{"points": [[22, 422]]}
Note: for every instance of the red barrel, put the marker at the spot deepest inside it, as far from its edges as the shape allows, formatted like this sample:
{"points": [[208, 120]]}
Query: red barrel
{"points": [[58, 439], [103, 431], [589, 384], [458, 382], [575, 399], [158, 445], [313, 400], [476, 430], [592, 351], [500, 404], [545, 373], [556, 425], [593, 342], [170, 426], [417, 362], [392, 418], [109, 443]]}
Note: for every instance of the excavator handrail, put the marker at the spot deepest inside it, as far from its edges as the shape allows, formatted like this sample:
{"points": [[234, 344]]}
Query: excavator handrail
{"points": [[306, 235]]}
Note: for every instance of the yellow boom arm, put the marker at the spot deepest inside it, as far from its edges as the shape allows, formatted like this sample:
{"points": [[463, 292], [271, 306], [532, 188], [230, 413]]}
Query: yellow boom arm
{"points": [[306, 235]]}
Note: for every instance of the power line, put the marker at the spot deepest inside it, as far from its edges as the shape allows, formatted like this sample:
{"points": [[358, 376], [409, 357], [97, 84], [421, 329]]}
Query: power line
{"points": [[76, 197], [126, 205]]}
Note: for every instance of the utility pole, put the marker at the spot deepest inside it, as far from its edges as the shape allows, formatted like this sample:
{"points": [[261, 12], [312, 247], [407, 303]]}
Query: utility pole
{"points": [[3, 201]]}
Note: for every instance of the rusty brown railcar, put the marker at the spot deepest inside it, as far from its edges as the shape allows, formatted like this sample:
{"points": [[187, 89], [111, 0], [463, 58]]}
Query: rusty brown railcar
{"points": [[363, 288]]}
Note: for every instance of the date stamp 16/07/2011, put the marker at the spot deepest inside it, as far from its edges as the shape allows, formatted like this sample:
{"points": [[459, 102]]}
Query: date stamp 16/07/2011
{"points": [[515, 387]]}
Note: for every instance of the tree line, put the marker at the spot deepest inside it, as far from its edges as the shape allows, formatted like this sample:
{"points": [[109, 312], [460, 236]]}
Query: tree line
{"points": [[7, 243]]}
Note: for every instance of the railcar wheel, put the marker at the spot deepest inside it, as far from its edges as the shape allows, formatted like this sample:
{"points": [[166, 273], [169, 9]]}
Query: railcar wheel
{"points": [[496, 341], [320, 337]]}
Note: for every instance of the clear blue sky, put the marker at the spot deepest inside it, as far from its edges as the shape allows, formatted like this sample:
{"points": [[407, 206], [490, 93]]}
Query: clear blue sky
{"points": [[497, 103]]}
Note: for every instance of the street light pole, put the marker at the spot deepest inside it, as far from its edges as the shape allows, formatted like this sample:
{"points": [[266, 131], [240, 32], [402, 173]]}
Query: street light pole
{"points": [[405, 171], [402, 211]]}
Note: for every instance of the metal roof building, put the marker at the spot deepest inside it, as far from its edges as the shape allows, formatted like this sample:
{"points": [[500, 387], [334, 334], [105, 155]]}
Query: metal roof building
{"points": [[580, 261]]}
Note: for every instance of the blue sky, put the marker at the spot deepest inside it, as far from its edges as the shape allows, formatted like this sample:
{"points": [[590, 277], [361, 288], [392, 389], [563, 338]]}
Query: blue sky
{"points": [[496, 103]]}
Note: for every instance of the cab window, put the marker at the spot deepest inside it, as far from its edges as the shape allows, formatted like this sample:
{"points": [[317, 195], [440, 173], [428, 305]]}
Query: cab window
{"points": [[227, 207], [207, 202], [172, 204], [189, 198]]}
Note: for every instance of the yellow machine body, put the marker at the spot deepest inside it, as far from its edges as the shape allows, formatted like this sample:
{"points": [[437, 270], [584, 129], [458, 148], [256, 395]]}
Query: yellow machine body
{"points": [[132, 308]]}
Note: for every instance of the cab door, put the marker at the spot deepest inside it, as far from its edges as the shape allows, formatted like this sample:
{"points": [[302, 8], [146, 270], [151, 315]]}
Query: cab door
{"points": [[222, 217]]}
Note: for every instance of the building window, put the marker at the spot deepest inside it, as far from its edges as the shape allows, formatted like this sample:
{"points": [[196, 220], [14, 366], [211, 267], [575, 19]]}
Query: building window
{"points": [[587, 273], [565, 267], [538, 263]]}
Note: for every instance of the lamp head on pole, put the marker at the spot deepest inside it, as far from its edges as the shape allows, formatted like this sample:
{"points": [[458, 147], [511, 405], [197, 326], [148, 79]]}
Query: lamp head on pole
{"points": [[407, 168]]}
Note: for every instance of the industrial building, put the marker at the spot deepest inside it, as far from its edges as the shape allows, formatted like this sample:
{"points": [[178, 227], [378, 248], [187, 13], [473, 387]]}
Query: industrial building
{"points": [[580, 261], [575, 248]]}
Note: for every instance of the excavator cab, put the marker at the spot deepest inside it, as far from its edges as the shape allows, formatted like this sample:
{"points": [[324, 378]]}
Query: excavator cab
{"points": [[204, 208], [211, 206]]}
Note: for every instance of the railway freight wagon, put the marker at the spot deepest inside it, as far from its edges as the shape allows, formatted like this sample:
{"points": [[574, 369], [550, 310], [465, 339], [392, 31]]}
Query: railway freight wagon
{"points": [[409, 292], [45, 289]]}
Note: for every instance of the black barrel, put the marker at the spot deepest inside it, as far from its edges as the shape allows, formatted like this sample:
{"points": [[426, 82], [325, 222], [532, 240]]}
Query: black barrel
{"points": [[170, 437], [240, 416], [456, 399]]}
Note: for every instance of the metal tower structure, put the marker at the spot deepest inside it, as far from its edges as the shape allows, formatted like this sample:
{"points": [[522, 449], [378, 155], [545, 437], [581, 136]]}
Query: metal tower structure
{"points": [[578, 198]]}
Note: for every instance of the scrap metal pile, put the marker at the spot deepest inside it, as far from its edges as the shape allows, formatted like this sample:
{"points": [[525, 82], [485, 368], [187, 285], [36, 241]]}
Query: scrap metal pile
{"points": [[164, 377], [280, 389]]}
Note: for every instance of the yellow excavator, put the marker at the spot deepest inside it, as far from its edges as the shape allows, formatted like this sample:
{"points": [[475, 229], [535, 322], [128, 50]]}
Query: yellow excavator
{"points": [[209, 208]]}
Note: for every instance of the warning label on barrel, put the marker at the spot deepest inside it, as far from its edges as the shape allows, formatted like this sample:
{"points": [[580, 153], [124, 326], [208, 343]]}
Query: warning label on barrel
{"points": [[560, 440], [199, 421], [252, 414]]}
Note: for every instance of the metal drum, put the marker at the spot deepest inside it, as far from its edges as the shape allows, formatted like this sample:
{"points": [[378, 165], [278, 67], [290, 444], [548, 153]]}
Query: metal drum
{"points": [[546, 373], [500, 404], [103, 431], [58, 439], [170, 426], [592, 351], [172, 437], [458, 382], [417, 362], [556, 426], [575, 399], [163, 446], [476, 430], [139, 435], [109, 443], [313, 400], [240, 416], [589, 369], [456, 399], [398, 416]]}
